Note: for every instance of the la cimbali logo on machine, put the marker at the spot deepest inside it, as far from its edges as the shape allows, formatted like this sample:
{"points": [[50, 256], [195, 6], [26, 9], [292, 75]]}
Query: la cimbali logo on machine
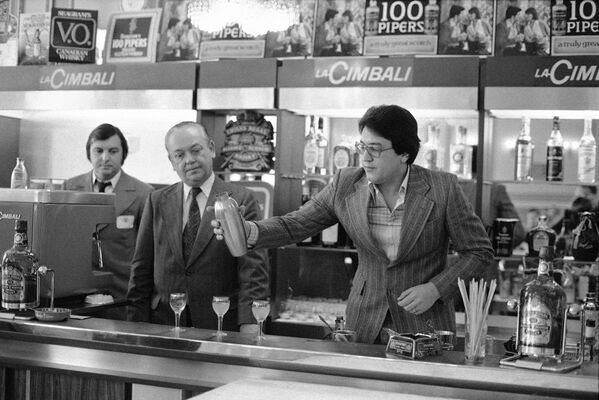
{"points": [[13, 216], [81, 77], [568, 72]]}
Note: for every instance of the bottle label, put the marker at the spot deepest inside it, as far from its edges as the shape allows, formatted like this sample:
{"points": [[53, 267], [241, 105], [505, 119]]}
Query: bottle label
{"points": [[559, 20], [590, 323], [431, 19], [554, 163], [341, 158], [523, 160], [310, 155], [587, 159], [457, 162], [13, 284], [539, 240], [536, 323]]}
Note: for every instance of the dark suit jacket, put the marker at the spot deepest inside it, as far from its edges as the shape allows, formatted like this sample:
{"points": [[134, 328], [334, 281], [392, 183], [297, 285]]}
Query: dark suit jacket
{"points": [[158, 267], [118, 244], [435, 210]]}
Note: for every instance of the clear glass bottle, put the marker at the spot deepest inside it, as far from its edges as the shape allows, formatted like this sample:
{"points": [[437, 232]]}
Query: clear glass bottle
{"points": [[461, 155], [587, 154], [19, 179], [310, 149], [542, 312], [524, 153], [322, 143], [555, 153], [558, 18], [540, 236], [591, 321], [431, 18], [20, 288], [372, 18], [430, 149]]}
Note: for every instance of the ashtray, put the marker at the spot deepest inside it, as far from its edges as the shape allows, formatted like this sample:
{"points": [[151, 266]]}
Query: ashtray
{"points": [[52, 314]]}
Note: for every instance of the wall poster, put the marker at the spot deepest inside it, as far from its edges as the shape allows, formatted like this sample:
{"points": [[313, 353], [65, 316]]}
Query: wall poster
{"points": [[34, 38], [396, 27], [523, 28], [131, 36], [9, 41], [73, 36], [294, 39], [575, 29], [339, 28], [179, 37], [466, 27]]}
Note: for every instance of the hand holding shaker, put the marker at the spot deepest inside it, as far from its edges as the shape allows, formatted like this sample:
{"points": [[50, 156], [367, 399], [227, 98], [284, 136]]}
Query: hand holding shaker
{"points": [[228, 215]]}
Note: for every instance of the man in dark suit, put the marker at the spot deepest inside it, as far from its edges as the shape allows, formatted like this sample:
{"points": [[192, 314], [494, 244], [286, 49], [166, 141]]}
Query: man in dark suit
{"points": [[400, 217], [107, 150], [204, 268]]}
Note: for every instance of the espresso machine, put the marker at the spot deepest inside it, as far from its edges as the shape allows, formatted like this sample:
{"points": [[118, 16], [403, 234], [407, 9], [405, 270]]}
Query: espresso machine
{"points": [[61, 231]]}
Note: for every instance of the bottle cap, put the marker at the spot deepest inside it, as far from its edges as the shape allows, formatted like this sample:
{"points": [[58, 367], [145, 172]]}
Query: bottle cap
{"points": [[21, 225], [546, 252]]}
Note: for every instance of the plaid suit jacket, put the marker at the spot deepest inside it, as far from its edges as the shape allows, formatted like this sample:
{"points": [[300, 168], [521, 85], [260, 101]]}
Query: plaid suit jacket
{"points": [[436, 211]]}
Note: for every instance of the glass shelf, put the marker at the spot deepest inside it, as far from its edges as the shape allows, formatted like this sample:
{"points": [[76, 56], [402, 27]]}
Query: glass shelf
{"points": [[320, 248]]}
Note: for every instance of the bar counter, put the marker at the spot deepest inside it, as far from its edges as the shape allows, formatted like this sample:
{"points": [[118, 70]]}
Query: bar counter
{"points": [[193, 359]]}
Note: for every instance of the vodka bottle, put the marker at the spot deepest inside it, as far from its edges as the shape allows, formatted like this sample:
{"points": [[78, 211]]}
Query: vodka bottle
{"points": [[322, 143], [372, 18], [19, 272], [430, 149], [524, 153], [19, 178], [310, 149], [558, 18], [587, 155], [540, 236], [542, 313], [555, 153], [431, 18], [461, 156]]}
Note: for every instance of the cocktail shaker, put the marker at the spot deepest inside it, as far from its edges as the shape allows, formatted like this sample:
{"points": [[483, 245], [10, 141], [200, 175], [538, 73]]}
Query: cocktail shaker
{"points": [[228, 215]]}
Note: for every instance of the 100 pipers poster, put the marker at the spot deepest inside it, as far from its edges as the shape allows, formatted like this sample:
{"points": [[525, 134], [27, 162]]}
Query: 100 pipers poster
{"points": [[132, 36]]}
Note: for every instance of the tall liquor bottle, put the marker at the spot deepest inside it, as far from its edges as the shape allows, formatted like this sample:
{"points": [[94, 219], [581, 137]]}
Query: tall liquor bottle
{"points": [[591, 318], [19, 179], [322, 144], [555, 153], [542, 313], [540, 236], [587, 154], [372, 18], [19, 272], [461, 155], [524, 152], [430, 149], [310, 149]]}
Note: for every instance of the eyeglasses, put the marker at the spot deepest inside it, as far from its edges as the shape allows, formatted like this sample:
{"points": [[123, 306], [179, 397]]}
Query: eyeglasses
{"points": [[373, 151]]}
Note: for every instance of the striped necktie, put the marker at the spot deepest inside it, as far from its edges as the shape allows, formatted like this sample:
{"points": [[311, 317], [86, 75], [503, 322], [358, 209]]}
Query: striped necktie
{"points": [[193, 223]]}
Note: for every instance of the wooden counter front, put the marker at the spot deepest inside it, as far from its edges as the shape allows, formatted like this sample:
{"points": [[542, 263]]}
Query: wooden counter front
{"points": [[193, 360]]}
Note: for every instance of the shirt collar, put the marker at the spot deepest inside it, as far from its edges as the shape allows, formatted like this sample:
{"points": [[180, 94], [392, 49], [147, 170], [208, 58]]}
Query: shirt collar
{"points": [[113, 181], [374, 190], [206, 187]]}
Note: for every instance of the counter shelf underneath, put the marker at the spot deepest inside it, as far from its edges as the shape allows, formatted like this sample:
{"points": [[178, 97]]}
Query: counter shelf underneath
{"points": [[192, 359]]}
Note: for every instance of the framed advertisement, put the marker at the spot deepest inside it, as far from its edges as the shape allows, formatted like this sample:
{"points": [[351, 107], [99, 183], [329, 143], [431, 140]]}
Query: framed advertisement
{"points": [[132, 36]]}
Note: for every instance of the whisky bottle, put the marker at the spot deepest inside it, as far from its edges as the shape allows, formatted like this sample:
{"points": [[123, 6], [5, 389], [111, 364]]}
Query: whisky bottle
{"points": [[372, 18], [524, 153], [558, 18], [431, 18], [542, 312], [587, 154], [591, 316], [322, 144], [19, 179], [555, 153], [461, 156], [310, 149], [585, 238], [19, 272], [540, 236]]}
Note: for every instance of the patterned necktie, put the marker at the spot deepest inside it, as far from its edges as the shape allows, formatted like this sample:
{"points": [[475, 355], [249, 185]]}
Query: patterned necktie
{"points": [[102, 186], [193, 223]]}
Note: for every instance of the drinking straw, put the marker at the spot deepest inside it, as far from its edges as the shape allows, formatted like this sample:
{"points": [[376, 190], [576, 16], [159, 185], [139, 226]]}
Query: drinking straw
{"points": [[477, 306]]}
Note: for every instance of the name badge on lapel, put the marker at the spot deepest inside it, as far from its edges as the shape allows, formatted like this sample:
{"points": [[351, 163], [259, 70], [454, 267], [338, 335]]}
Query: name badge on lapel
{"points": [[125, 221]]}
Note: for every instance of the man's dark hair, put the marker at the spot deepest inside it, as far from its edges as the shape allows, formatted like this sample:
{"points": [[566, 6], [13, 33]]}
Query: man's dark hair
{"points": [[103, 132], [395, 124], [512, 11], [455, 10]]}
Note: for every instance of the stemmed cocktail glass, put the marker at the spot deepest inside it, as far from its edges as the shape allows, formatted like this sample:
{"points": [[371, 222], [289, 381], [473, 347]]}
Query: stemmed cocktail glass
{"points": [[178, 301], [220, 305], [260, 309]]}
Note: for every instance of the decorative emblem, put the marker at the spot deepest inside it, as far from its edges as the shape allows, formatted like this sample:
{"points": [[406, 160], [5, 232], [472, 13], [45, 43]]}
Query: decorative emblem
{"points": [[248, 143]]}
